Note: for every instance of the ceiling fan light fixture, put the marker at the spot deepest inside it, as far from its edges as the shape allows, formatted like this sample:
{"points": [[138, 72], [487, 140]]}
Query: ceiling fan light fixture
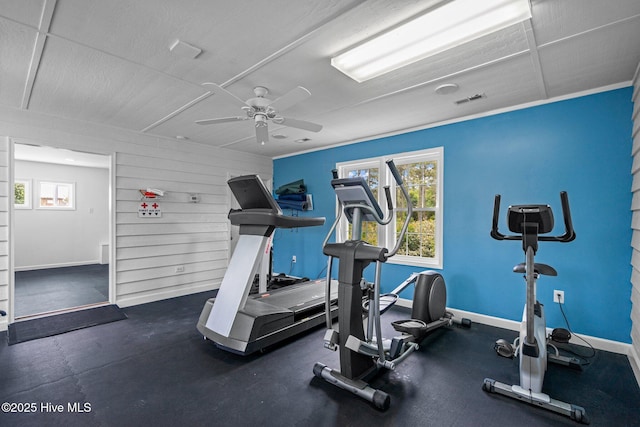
{"points": [[260, 120], [450, 25]]}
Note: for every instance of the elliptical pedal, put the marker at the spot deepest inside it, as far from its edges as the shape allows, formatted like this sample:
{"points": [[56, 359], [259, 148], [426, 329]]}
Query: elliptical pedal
{"points": [[414, 327]]}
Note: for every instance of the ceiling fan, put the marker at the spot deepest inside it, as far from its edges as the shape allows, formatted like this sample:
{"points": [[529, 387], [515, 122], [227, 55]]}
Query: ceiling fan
{"points": [[261, 109]]}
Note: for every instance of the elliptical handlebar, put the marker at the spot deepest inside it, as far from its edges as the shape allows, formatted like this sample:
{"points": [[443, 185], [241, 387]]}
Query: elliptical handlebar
{"points": [[568, 235], [398, 178]]}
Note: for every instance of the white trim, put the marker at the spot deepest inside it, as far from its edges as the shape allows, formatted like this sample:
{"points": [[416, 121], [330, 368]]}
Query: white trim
{"points": [[634, 361], [464, 118], [28, 193], [597, 343], [437, 154], [10, 317], [63, 264], [162, 294], [386, 235], [113, 260], [72, 195]]}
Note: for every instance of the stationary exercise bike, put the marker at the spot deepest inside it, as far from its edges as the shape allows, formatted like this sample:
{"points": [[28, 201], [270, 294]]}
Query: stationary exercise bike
{"points": [[530, 222], [364, 352]]}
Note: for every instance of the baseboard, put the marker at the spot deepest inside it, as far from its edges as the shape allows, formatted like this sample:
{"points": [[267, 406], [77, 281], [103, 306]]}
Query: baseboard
{"points": [[60, 265], [160, 294], [598, 343]]}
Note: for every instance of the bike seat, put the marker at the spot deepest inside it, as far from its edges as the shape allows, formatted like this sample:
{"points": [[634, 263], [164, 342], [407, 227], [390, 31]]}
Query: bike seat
{"points": [[538, 268]]}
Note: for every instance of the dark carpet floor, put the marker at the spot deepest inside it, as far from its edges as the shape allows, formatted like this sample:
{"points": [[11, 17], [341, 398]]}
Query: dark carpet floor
{"points": [[154, 368], [40, 291]]}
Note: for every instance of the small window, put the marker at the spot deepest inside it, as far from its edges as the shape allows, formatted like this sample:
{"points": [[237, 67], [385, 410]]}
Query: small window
{"points": [[422, 173], [22, 194], [56, 195]]}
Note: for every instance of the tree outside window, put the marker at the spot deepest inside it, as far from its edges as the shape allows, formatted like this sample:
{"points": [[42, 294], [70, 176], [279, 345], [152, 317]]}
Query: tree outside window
{"points": [[422, 173], [22, 194]]}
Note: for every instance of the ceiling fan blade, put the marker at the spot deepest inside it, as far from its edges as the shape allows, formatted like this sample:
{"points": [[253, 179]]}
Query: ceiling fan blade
{"points": [[300, 124], [223, 93], [262, 134], [221, 120], [290, 99]]}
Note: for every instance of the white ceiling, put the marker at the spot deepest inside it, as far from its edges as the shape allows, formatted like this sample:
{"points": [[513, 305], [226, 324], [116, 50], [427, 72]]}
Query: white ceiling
{"points": [[109, 62]]}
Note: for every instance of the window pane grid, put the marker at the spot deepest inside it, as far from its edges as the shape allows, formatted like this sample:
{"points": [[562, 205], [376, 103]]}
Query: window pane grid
{"points": [[56, 195], [369, 229], [421, 172]]}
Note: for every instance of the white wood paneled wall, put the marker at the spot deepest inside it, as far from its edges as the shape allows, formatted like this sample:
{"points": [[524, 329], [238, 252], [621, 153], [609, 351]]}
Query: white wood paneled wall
{"points": [[635, 224], [146, 251], [5, 177], [188, 235]]}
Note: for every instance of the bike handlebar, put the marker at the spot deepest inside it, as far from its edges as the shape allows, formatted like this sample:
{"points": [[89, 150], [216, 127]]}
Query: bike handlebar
{"points": [[568, 235]]}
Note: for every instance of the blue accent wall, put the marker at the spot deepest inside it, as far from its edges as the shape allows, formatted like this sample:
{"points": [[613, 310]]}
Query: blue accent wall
{"points": [[582, 145]]}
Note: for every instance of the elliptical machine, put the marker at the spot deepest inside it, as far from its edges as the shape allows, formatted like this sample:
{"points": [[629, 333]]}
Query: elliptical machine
{"points": [[529, 222], [364, 353]]}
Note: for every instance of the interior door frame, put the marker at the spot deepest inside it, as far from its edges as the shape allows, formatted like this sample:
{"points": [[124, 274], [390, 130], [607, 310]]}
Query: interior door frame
{"points": [[11, 318]]}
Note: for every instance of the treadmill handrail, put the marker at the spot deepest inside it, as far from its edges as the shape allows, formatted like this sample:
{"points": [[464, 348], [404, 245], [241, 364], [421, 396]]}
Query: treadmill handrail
{"points": [[264, 217]]}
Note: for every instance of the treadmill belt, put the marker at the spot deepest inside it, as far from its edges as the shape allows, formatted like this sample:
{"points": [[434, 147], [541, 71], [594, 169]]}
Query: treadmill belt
{"points": [[302, 298]]}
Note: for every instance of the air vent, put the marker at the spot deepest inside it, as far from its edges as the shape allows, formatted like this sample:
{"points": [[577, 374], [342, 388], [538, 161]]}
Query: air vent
{"points": [[475, 97]]}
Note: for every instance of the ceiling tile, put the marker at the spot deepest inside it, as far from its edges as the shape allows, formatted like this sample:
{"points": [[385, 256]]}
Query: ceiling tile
{"points": [[555, 20], [109, 62], [233, 35], [90, 85], [16, 44], [595, 59], [23, 11]]}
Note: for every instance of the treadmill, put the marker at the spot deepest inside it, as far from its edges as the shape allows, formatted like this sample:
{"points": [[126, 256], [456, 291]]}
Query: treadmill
{"points": [[242, 323]]}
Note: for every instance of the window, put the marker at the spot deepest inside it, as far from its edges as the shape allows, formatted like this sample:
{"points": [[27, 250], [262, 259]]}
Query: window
{"points": [[422, 173], [22, 194], [56, 195]]}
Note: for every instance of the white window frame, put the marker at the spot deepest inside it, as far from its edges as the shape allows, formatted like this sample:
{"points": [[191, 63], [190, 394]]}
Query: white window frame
{"points": [[28, 196], [386, 235], [72, 190]]}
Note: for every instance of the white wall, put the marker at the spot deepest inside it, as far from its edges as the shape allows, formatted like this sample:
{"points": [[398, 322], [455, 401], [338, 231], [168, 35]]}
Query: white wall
{"points": [[635, 224], [4, 229], [146, 251], [45, 238]]}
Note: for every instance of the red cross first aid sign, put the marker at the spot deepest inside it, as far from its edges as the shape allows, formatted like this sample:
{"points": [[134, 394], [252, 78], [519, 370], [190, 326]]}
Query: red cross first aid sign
{"points": [[149, 209]]}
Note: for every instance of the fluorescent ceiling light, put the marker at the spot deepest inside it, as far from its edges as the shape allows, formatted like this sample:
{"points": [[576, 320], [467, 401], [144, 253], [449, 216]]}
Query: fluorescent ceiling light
{"points": [[448, 26]]}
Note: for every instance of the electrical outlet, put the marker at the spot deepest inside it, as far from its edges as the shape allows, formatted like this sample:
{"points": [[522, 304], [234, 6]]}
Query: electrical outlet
{"points": [[180, 269], [558, 296], [293, 259]]}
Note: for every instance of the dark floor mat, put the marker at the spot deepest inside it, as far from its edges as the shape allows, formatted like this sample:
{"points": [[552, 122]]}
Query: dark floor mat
{"points": [[28, 330]]}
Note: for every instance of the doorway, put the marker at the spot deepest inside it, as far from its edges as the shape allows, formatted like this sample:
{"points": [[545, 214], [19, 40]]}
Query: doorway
{"points": [[60, 230]]}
